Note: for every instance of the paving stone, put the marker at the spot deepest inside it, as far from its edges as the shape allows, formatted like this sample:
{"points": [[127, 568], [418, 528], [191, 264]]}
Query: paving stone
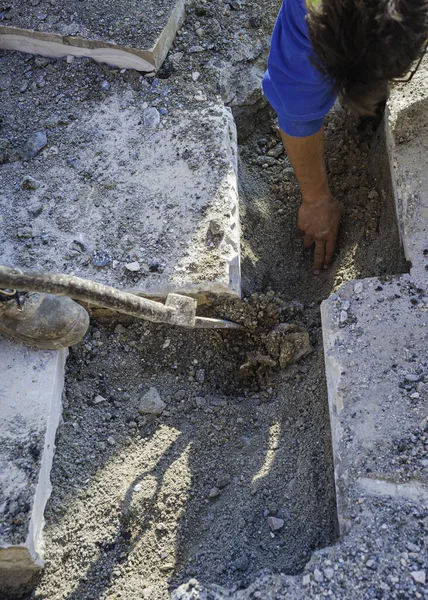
{"points": [[377, 356], [134, 207], [124, 33], [31, 383]]}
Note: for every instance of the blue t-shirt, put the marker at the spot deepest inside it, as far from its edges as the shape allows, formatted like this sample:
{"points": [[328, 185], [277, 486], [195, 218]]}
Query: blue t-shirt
{"points": [[299, 93]]}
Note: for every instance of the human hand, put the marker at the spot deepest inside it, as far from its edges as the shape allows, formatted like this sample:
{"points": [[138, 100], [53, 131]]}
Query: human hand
{"points": [[319, 220]]}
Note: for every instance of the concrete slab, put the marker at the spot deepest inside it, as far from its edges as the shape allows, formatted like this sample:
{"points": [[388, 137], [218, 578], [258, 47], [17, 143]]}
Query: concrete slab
{"points": [[375, 339], [31, 383], [124, 33], [376, 336], [118, 193], [407, 134]]}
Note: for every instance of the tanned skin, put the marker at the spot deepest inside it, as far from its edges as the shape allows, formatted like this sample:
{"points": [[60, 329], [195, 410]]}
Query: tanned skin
{"points": [[320, 213]]}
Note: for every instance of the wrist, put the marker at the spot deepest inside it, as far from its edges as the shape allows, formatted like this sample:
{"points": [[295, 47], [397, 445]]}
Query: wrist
{"points": [[318, 195]]}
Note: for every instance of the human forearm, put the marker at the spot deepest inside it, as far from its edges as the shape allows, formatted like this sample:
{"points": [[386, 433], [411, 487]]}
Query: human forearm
{"points": [[307, 158], [320, 214]]}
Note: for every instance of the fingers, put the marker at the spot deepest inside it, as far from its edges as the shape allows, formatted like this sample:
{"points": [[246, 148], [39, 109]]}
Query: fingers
{"points": [[330, 245], [319, 256], [308, 240]]}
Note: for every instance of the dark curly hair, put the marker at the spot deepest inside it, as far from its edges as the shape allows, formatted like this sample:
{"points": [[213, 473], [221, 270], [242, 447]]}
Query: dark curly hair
{"points": [[364, 44]]}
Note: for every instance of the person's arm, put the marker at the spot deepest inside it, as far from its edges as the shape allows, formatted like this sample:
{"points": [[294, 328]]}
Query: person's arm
{"points": [[320, 214]]}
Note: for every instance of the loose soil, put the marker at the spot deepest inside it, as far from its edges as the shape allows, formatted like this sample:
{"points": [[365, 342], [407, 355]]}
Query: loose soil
{"points": [[142, 503]]}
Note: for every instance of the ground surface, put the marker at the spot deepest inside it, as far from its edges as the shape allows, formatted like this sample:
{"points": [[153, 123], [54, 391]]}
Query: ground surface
{"points": [[131, 514]]}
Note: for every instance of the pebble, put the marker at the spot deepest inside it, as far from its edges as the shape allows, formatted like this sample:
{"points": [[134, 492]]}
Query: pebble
{"points": [[411, 377], [29, 183], [214, 492], [242, 563], [133, 266], [34, 145], [419, 576], [343, 316], [195, 75], [275, 523], [223, 481], [105, 86], [98, 399], [318, 576], [266, 160], [35, 209], [306, 580], [329, 573], [358, 287], [151, 403], [196, 49], [151, 117], [111, 441], [101, 258]]}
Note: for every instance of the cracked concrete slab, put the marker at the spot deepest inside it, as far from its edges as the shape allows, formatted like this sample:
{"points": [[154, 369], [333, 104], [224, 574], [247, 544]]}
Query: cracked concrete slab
{"points": [[130, 200], [31, 383], [122, 33]]}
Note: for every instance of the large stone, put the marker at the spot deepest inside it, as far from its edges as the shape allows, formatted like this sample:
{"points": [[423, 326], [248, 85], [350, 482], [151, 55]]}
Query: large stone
{"points": [[116, 193], [31, 383], [123, 33], [376, 358]]}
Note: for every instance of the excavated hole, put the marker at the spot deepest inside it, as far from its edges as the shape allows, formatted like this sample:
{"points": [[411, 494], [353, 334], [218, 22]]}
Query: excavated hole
{"points": [[155, 500]]}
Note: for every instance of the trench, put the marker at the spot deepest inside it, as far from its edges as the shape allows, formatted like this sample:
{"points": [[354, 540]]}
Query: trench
{"points": [[142, 503]]}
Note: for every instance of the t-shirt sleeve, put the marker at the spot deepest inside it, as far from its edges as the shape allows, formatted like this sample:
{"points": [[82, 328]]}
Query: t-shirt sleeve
{"points": [[299, 93]]}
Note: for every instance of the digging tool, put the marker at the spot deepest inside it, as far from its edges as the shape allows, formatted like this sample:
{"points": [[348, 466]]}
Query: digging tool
{"points": [[177, 310]]}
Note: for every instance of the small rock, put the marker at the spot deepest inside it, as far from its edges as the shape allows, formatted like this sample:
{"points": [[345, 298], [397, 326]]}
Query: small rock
{"points": [[24, 232], [214, 492], [137, 487], [318, 576], [196, 49], [419, 576], [105, 86], [69, 59], [343, 316], [151, 117], [223, 481], [275, 523], [98, 399], [35, 209], [133, 266], [29, 183], [242, 563], [358, 287], [306, 579], [111, 441], [200, 375], [34, 145], [151, 403], [269, 161], [412, 377], [195, 75], [329, 573], [101, 258]]}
